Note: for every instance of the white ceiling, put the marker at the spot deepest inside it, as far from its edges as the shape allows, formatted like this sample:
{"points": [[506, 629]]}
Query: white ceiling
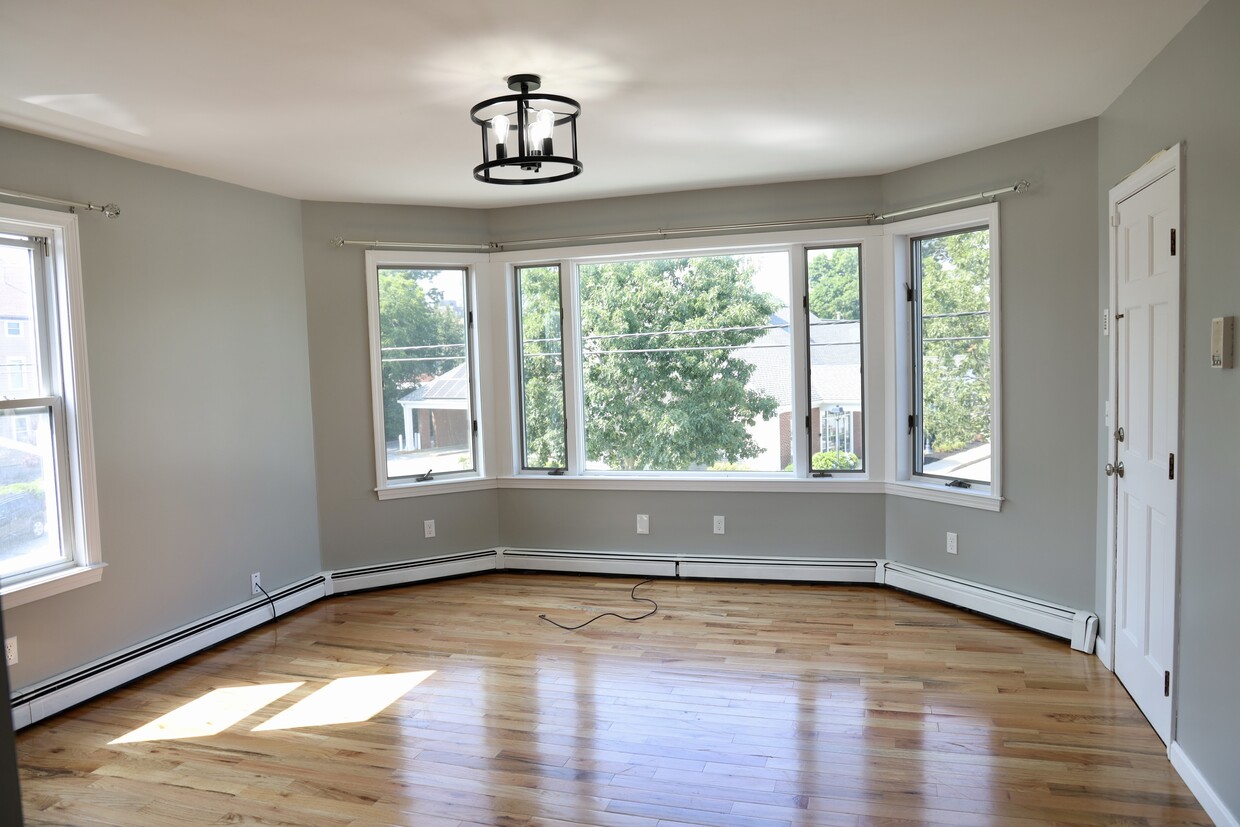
{"points": [[368, 100]]}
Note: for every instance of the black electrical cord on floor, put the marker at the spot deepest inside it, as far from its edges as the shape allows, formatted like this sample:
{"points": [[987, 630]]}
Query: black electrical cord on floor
{"points": [[632, 595], [269, 600]]}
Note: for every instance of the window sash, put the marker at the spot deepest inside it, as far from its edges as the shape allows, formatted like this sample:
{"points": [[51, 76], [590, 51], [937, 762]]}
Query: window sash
{"points": [[835, 419], [920, 433], [558, 400]]}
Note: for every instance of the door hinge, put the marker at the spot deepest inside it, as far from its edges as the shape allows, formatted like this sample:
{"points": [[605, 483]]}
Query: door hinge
{"points": [[1173, 241], [908, 292], [1166, 684], [1170, 466]]}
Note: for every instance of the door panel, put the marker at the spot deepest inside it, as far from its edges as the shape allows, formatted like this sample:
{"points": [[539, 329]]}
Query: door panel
{"points": [[1147, 392]]}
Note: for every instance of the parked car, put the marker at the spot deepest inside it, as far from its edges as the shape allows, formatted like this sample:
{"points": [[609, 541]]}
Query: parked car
{"points": [[22, 514]]}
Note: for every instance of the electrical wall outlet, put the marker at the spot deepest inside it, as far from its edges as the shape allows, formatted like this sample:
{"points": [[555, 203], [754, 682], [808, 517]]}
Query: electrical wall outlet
{"points": [[643, 523], [255, 580], [428, 528], [10, 650], [951, 542], [718, 524]]}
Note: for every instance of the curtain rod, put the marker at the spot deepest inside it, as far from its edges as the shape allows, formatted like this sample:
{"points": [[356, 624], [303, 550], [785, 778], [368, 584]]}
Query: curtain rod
{"points": [[110, 210], [1020, 186]]}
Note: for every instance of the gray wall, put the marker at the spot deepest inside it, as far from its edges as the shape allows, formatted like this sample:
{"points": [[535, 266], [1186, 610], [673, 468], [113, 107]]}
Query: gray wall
{"points": [[199, 378], [1188, 93], [1042, 543], [758, 525], [357, 528], [10, 792]]}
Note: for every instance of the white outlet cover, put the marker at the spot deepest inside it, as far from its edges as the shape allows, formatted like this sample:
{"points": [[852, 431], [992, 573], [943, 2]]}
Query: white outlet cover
{"points": [[643, 523], [718, 524], [10, 650], [428, 528]]}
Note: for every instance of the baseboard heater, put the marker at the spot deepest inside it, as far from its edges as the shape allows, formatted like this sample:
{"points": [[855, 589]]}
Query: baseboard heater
{"points": [[1079, 627], [34, 703], [807, 569], [410, 571]]}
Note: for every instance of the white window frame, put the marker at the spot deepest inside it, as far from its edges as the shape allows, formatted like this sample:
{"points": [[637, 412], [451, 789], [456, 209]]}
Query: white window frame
{"points": [[899, 367], [443, 482], [70, 395], [794, 244]]}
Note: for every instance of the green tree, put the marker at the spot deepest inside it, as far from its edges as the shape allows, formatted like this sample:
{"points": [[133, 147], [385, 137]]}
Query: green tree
{"points": [[955, 365], [664, 386], [834, 283], [412, 315]]}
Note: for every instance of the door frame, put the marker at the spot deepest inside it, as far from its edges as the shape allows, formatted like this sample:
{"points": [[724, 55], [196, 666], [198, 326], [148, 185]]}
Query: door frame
{"points": [[1168, 162]]}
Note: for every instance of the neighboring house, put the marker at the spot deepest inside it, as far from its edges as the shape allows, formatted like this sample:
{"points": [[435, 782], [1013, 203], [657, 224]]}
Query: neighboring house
{"points": [[437, 413], [17, 343], [835, 388]]}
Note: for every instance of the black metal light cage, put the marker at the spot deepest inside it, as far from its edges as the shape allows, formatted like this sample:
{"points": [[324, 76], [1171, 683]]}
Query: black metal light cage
{"points": [[528, 159]]}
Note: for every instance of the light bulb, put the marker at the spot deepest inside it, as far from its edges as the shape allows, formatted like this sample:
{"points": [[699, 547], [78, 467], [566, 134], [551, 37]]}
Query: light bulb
{"points": [[499, 126], [540, 130]]}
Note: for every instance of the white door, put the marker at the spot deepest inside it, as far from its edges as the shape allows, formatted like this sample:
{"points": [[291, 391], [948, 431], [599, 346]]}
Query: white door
{"points": [[1147, 327]]}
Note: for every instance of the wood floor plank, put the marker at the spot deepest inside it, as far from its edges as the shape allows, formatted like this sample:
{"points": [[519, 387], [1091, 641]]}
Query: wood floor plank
{"points": [[736, 705]]}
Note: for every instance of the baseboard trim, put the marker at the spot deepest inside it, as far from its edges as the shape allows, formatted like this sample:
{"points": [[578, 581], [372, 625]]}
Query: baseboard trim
{"points": [[1078, 627], [41, 700], [1197, 784], [805, 569], [410, 571]]}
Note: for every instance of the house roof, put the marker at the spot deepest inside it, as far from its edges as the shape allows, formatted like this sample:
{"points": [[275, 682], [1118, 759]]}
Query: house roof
{"points": [[448, 390], [835, 359]]}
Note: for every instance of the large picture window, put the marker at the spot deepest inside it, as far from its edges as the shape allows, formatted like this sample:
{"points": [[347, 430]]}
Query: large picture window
{"points": [[686, 363], [952, 359], [421, 355], [48, 533]]}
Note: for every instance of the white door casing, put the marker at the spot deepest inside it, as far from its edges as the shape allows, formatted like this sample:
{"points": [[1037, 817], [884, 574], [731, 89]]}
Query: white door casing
{"points": [[1143, 523]]}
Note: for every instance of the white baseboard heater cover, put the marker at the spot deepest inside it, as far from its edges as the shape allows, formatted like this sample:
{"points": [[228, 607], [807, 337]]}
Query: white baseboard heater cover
{"points": [[34, 703], [809, 569], [1079, 627], [410, 571]]}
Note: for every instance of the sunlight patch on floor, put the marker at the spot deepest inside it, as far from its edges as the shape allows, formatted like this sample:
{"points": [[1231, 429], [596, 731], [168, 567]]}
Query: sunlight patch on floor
{"points": [[346, 701], [210, 714]]}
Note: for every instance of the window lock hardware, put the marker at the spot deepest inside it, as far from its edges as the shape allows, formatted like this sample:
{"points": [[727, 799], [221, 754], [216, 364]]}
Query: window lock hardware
{"points": [[424, 477], [556, 472], [820, 474], [912, 422], [908, 292], [959, 484]]}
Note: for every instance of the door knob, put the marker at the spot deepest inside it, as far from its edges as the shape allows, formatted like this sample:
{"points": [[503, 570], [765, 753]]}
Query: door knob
{"points": [[1119, 469], [1110, 469]]}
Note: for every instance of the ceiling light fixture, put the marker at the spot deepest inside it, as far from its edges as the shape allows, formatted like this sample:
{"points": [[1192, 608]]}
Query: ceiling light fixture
{"points": [[540, 122]]}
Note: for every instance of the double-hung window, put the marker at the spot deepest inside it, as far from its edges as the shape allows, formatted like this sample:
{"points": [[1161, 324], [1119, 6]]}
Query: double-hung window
{"points": [[422, 371], [48, 526]]}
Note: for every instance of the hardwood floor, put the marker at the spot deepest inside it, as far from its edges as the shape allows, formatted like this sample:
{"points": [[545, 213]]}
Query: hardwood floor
{"points": [[736, 705]]}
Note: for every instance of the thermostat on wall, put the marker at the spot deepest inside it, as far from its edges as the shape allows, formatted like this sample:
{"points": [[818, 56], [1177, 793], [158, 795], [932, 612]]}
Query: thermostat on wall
{"points": [[1222, 331]]}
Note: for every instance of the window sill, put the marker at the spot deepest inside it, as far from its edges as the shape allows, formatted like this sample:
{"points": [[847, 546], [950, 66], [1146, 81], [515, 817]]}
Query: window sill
{"points": [[433, 486], [28, 591], [814, 485], [939, 492]]}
